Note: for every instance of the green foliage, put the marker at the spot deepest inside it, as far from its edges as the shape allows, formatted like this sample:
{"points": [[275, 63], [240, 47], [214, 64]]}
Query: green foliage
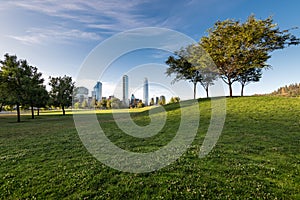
{"points": [[21, 84], [237, 47], [162, 100], [256, 157], [84, 104], [61, 91], [108, 104], [192, 63], [250, 75], [115, 103], [293, 90], [152, 102], [103, 103], [174, 100], [12, 82], [77, 105], [93, 103]]}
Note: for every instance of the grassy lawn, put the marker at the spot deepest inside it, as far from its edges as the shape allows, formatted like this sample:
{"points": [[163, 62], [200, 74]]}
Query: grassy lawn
{"points": [[257, 156]]}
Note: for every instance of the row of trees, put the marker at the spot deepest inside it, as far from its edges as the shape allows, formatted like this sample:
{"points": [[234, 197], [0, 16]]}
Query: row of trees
{"points": [[22, 85], [292, 90], [233, 51]]}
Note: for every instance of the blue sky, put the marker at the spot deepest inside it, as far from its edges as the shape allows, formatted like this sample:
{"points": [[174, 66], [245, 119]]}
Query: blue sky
{"points": [[57, 36]]}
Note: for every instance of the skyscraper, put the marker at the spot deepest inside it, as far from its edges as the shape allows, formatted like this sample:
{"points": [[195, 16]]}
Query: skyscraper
{"points": [[125, 90], [98, 91], [146, 92]]}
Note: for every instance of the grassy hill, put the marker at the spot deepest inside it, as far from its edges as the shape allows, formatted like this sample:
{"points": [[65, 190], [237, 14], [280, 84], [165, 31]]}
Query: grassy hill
{"points": [[257, 156]]}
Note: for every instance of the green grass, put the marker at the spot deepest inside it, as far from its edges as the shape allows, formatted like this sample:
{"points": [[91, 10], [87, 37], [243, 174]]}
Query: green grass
{"points": [[257, 156]]}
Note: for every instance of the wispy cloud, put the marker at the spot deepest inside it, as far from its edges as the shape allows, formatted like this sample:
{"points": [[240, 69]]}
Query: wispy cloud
{"points": [[58, 34], [85, 20]]}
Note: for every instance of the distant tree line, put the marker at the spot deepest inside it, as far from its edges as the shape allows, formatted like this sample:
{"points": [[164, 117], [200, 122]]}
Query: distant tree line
{"points": [[292, 90], [233, 51], [21, 85]]}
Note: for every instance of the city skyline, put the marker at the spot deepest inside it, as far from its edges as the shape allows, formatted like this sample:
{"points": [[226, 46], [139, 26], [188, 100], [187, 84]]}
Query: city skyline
{"points": [[124, 97], [56, 36]]}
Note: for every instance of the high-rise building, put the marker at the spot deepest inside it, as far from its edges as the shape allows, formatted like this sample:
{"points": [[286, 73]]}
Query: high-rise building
{"points": [[146, 92], [98, 91], [125, 90]]}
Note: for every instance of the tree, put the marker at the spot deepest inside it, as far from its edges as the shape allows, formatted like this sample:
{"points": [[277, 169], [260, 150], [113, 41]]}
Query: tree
{"points": [[250, 75], [162, 100], [93, 103], [174, 100], [20, 84], [236, 47], [103, 103], [35, 92], [193, 64], [84, 104], [61, 91], [152, 102], [115, 103], [11, 82], [39, 98], [77, 105], [108, 104], [292, 90], [15, 81], [43, 98]]}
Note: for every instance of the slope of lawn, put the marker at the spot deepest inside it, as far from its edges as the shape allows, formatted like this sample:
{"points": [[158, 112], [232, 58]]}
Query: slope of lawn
{"points": [[257, 156]]}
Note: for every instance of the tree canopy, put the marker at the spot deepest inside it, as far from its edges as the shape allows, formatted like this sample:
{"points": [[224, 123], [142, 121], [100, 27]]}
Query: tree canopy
{"points": [[237, 47], [61, 91], [19, 83], [192, 64]]}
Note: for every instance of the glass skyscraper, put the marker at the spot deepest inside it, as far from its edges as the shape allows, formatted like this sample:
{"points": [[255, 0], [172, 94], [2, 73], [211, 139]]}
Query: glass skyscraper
{"points": [[98, 91], [125, 90], [146, 92]]}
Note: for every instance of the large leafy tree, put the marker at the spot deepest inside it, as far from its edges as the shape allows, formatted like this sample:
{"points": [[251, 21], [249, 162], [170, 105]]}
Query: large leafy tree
{"points": [[192, 64], [19, 83], [13, 81], [237, 47], [33, 93], [61, 91]]}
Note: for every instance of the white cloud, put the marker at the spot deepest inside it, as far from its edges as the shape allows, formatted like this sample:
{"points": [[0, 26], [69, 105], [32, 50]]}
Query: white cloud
{"points": [[56, 34], [92, 12], [80, 19]]}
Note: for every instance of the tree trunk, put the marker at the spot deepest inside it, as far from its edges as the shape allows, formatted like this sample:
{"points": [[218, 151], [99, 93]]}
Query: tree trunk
{"points": [[195, 87], [32, 112], [18, 113], [242, 90], [230, 89], [38, 112], [206, 89], [63, 109]]}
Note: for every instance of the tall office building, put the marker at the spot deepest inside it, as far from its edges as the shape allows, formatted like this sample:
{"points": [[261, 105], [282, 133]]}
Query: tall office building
{"points": [[146, 92], [98, 91], [125, 90]]}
